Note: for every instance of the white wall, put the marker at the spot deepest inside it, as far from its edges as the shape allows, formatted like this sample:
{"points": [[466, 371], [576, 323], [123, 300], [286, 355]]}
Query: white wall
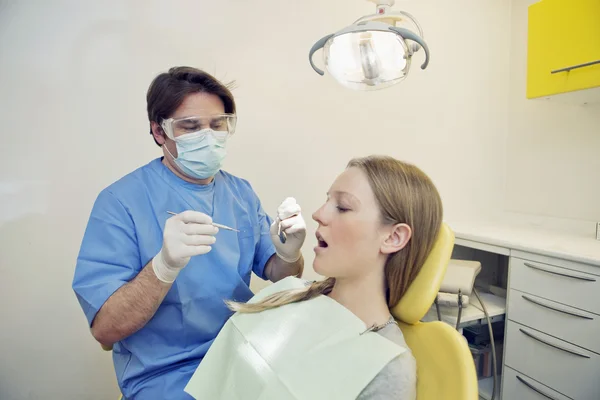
{"points": [[553, 148], [74, 76]]}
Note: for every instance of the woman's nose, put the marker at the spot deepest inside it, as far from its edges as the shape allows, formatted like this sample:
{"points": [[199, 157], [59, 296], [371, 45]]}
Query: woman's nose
{"points": [[317, 215]]}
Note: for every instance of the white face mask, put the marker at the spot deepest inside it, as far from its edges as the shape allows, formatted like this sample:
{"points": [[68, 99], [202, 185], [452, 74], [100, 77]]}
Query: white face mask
{"points": [[200, 154]]}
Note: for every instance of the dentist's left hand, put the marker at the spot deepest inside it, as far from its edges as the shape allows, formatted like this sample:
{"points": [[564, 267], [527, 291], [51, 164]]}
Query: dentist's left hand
{"points": [[289, 214]]}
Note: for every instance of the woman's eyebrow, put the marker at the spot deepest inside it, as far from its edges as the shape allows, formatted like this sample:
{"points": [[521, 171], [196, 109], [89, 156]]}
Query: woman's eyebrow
{"points": [[346, 196]]}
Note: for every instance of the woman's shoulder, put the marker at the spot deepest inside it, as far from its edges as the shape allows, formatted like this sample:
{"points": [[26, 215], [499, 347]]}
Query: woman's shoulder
{"points": [[393, 333], [398, 379]]}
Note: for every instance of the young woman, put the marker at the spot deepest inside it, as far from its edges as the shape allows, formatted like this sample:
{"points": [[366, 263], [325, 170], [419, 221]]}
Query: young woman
{"points": [[336, 339]]}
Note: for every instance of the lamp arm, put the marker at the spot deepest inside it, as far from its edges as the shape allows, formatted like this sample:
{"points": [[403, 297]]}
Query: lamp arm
{"points": [[319, 44], [406, 34], [393, 16]]}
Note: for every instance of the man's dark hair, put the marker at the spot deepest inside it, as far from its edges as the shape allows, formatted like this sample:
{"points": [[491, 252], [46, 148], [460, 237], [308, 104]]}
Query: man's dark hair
{"points": [[169, 89]]}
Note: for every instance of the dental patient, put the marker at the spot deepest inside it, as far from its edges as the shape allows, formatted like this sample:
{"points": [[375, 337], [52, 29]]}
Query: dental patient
{"points": [[335, 338]]}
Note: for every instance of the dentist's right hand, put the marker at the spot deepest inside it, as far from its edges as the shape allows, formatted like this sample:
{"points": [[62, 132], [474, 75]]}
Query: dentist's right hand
{"points": [[188, 234]]}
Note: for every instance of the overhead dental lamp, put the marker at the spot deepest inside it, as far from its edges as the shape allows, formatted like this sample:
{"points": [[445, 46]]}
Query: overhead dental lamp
{"points": [[374, 52]]}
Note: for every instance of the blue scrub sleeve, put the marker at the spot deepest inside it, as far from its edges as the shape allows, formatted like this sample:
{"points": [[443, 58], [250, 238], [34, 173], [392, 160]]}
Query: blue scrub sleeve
{"points": [[109, 254], [264, 248]]}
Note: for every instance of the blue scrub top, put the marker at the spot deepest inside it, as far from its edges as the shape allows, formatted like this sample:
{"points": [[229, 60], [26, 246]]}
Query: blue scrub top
{"points": [[125, 231]]}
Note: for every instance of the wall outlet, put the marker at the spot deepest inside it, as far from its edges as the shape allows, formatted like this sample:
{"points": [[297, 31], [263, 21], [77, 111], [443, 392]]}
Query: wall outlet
{"points": [[597, 230]]}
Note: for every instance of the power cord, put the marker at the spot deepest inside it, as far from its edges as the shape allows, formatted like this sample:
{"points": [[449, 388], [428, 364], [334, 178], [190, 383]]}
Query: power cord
{"points": [[489, 324], [494, 364], [460, 307]]}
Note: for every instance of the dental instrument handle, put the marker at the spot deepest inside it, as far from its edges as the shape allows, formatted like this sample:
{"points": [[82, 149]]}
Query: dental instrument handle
{"points": [[227, 228], [224, 227]]}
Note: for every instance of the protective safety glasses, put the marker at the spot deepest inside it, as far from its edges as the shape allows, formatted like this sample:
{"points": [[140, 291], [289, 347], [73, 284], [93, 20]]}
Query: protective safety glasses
{"points": [[223, 125]]}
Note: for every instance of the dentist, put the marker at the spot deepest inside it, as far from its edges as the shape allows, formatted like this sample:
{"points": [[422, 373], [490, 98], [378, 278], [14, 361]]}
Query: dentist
{"points": [[152, 285]]}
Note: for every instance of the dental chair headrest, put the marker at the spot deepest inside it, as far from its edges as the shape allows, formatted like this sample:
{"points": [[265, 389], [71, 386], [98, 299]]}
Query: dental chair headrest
{"points": [[419, 297]]}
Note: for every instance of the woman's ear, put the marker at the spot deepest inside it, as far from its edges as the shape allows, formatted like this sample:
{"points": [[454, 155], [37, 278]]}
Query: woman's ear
{"points": [[158, 133], [397, 239]]}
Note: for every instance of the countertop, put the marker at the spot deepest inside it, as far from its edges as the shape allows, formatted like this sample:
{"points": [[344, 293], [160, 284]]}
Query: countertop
{"points": [[573, 245]]}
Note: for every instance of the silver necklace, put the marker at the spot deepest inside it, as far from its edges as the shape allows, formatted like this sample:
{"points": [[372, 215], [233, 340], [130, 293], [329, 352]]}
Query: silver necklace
{"points": [[375, 328]]}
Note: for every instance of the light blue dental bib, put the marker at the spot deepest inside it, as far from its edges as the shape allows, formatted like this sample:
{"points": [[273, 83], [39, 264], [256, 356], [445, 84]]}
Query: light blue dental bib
{"points": [[309, 350]]}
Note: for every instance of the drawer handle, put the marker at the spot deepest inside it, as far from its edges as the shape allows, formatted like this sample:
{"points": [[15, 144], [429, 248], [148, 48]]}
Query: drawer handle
{"points": [[539, 303], [567, 69], [582, 278], [552, 344], [530, 386]]}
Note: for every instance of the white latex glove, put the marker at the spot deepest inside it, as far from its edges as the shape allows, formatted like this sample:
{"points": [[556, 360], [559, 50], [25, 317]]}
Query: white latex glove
{"points": [[292, 223], [188, 234]]}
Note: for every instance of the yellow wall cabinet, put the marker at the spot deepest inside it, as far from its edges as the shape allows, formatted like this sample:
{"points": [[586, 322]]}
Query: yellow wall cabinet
{"points": [[563, 49]]}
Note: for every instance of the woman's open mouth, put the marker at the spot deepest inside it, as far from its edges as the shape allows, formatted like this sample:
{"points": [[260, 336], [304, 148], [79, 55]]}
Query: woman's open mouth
{"points": [[321, 243]]}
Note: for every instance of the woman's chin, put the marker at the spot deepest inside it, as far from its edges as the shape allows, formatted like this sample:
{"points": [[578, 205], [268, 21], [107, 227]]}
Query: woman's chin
{"points": [[318, 266]]}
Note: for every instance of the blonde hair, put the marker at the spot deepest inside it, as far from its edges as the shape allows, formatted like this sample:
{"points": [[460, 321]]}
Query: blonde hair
{"points": [[405, 194]]}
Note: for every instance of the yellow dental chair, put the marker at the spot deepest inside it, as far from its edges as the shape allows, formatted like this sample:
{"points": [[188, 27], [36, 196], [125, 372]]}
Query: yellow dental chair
{"points": [[445, 367]]}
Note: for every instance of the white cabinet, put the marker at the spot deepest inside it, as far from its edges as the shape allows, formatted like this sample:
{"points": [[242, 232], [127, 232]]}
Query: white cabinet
{"points": [[551, 347], [521, 387], [562, 366], [556, 319], [568, 286], [551, 339]]}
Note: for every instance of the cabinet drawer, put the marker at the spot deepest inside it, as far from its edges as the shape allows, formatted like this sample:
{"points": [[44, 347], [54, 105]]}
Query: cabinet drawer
{"points": [[568, 369], [517, 386], [573, 288], [570, 324]]}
